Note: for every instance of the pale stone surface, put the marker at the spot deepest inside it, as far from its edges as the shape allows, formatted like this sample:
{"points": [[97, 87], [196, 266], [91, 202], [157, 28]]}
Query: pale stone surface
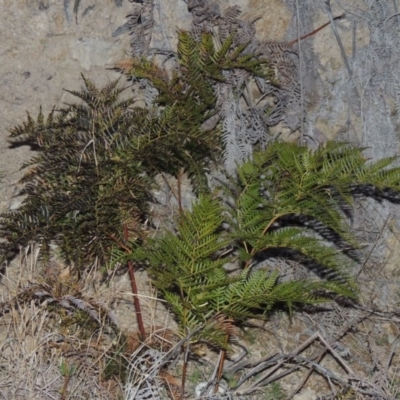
{"points": [[331, 61], [274, 17], [306, 394]]}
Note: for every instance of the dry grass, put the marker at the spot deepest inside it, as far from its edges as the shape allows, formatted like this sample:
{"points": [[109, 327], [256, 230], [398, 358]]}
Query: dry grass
{"points": [[67, 338], [39, 363], [55, 339]]}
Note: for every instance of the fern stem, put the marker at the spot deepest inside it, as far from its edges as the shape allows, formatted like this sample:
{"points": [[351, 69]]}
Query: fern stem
{"points": [[136, 301], [179, 183], [184, 371], [256, 249]]}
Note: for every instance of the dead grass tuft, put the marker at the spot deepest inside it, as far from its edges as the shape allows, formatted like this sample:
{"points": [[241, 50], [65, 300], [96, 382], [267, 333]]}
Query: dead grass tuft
{"points": [[55, 338], [61, 340]]}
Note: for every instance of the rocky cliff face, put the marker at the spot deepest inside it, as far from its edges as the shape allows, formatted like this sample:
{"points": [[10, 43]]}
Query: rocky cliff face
{"points": [[348, 73]]}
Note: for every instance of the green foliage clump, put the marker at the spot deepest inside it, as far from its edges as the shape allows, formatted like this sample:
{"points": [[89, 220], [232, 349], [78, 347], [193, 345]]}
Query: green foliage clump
{"points": [[288, 191], [80, 188], [188, 270], [274, 391], [287, 202], [186, 94], [96, 160]]}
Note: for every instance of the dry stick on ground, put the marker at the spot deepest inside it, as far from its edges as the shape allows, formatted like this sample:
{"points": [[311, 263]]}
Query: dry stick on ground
{"points": [[273, 360], [294, 356], [186, 356], [262, 380], [373, 247], [354, 322], [213, 380], [171, 354], [220, 368], [184, 371]]}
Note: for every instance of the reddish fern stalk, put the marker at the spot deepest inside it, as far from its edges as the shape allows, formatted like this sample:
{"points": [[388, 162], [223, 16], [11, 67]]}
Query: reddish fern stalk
{"points": [[136, 301]]}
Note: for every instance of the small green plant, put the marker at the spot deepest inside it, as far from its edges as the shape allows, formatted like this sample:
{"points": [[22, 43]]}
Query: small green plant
{"points": [[116, 361], [67, 371], [291, 201], [274, 391], [188, 270], [195, 377]]}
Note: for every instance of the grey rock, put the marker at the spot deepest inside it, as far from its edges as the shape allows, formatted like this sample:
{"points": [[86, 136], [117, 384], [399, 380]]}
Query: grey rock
{"points": [[16, 203]]}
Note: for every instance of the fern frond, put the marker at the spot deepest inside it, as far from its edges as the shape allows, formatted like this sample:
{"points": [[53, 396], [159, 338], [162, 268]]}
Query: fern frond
{"points": [[186, 47], [88, 191], [187, 268], [289, 200]]}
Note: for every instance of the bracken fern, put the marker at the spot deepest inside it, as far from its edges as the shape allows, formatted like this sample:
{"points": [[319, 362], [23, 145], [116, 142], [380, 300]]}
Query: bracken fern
{"points": [[288, 202]]}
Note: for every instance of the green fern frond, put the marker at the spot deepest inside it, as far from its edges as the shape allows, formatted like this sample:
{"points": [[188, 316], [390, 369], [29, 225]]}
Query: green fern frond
{"points": [[186, 47], [287, 202], [290, 198], [146, 69], [219, 55], [188, 269]]}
